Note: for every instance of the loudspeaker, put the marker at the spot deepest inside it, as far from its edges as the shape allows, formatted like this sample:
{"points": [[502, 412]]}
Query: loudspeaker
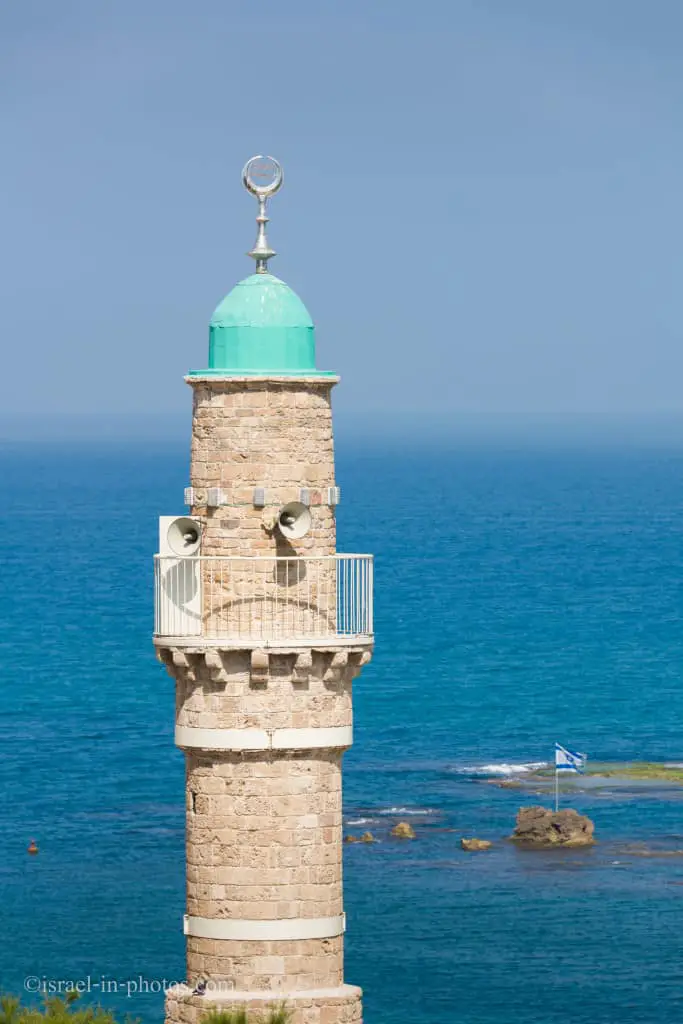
{"points": [[294, 520], [180, 536], [179, 582]]}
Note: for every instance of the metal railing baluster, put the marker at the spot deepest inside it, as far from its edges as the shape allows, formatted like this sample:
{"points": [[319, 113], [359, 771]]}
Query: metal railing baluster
{"points": [[264, 598]]}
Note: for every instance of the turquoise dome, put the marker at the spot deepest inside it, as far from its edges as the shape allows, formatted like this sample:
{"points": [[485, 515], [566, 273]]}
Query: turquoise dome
{"points": [[261, 327]]}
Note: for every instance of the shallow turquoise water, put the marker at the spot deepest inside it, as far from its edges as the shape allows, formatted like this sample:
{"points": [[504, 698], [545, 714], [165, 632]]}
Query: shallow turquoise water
{"points": [[521, 598]]}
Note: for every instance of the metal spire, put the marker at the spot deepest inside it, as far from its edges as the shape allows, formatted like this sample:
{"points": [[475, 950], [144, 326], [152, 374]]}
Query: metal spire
{"points": [[262, 176]]}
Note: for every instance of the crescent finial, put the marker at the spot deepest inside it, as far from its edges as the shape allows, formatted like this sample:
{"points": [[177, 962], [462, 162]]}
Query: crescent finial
{"points": [[262, 176]]}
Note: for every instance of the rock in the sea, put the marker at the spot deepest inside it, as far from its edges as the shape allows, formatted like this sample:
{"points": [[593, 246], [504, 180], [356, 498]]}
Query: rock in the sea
{"points": [[403, 830], [475, 844], [367, 837], [540, 826], [350, 839]]}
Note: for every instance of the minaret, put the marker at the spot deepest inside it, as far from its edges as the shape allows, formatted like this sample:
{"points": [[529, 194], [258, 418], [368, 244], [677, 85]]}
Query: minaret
{"points": [[263, 626]]}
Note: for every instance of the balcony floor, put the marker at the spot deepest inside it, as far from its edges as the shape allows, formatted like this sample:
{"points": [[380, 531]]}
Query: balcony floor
{"points": [[241, 643]]}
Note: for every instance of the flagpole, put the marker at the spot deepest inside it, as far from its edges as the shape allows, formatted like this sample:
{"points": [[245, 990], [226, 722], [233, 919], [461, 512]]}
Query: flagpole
{"points": [[569, 762]]}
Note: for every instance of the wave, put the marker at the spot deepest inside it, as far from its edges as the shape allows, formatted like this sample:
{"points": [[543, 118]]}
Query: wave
{"points": [[502, 768], [407, 810], [360, 821]]}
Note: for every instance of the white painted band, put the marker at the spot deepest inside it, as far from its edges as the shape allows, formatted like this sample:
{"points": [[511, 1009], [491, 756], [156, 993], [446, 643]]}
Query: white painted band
{"points": [[260, 739], [262, 931]]}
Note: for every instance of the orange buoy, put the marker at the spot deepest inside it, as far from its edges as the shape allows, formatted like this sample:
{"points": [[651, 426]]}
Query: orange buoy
{"points": [[33, 847]]}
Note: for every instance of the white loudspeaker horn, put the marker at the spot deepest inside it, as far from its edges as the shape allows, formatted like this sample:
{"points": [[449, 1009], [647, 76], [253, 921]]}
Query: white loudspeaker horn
{"points": [[180, 536], [179, 580], [294, 520]]}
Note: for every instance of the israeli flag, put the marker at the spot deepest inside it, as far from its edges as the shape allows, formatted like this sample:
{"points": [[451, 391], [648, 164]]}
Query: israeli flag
{"points": [[567, 760]]}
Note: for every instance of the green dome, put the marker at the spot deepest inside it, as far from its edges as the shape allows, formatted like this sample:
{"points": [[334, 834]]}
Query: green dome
{"points": [[261, 327]]}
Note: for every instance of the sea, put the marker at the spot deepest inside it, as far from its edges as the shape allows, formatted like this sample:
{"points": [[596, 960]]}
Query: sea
{"points": [[523, 596]]}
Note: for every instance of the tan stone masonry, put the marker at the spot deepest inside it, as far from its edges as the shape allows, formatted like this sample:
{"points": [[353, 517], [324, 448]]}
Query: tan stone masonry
{"points": [[228, 697], [264, 842], [264, 822], [340, 1005], [269, 433]]}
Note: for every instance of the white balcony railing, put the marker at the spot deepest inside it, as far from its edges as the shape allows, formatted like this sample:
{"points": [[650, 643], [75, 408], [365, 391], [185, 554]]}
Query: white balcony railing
{"points": [[264, 599]]}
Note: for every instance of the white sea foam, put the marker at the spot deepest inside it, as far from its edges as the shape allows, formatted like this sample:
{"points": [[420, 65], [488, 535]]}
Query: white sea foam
{"points": [[406, 810], [360, 821], [502, 768]]}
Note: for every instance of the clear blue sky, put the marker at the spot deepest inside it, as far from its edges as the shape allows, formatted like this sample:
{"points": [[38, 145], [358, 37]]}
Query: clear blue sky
{"points": [[482, 207]]}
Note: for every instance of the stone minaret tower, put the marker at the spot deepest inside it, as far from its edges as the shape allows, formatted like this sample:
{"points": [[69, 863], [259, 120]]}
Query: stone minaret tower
{"points": [[263, 626]]}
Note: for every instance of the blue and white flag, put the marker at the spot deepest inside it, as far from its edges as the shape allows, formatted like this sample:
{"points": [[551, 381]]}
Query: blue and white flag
{"points": [[567, 760]]}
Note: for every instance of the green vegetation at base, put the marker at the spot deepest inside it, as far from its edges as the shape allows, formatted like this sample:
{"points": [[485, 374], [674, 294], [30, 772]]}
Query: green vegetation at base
{"points": [[55, 1010], [58, 1010]]}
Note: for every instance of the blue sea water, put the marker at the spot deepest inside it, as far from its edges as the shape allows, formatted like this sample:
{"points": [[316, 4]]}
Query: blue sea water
{"points": [[522, 597]]}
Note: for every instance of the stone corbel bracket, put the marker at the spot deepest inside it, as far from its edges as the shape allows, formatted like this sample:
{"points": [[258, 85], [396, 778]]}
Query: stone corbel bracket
{"points": [[187, 662], [260, 667], [181, 663], [214, 663], [303, 666], [336, 667]]}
